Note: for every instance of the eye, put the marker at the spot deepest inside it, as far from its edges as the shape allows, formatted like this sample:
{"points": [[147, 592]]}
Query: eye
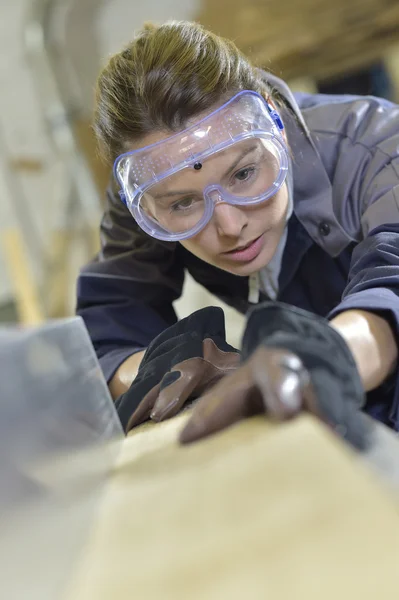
{"points": [[184, 204], [244, 174]]}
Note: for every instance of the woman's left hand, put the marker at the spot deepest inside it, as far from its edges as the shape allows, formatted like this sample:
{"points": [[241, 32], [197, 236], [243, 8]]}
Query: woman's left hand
{"points": [[293, 361], [272, 381]]}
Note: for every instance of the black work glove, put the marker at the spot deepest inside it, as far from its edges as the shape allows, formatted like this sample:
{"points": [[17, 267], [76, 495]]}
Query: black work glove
{"points": [[292, 360], [179, 365]]}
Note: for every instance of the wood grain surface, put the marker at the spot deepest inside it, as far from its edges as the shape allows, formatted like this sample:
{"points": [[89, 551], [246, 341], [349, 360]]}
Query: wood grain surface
{"points": [[260, 511]]}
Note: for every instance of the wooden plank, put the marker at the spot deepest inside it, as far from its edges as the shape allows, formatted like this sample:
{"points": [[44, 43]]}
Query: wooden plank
{"points": [[260, 511]]}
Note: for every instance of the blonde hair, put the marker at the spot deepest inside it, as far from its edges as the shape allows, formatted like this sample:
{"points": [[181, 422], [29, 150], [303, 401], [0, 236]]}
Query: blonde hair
{"points": [[165, 76]]}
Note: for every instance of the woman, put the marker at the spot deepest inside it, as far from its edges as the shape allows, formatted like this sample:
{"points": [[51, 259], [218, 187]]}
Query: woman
{"points": [[261, 195]]}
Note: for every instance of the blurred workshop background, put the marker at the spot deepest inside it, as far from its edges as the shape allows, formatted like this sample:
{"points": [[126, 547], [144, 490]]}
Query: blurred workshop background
{"points": [[51, 180]]}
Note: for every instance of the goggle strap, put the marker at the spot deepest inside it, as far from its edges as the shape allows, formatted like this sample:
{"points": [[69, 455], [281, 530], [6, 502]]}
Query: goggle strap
{"points": [[275, 116]]}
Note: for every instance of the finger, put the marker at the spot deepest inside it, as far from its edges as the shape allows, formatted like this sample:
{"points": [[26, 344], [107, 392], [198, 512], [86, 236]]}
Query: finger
{"points": [[279, 377], [176, 388], [143, 411], [232, 399], [194, 375], [225, 361], [282, 396]]}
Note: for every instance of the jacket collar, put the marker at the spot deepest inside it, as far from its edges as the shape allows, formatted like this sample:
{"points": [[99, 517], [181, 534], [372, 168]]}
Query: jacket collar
{"points": [[313, 191]]}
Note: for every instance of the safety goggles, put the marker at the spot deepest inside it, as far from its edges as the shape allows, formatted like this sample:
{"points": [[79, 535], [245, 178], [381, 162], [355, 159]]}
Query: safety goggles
{"points": [[235, 155]]}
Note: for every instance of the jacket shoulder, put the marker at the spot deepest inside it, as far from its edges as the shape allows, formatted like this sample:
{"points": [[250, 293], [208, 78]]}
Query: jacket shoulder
{"points": [[364, 119]]}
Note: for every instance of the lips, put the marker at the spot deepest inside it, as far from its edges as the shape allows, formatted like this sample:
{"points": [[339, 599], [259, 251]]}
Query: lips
{"points": [[239, 248], [246, 253]]}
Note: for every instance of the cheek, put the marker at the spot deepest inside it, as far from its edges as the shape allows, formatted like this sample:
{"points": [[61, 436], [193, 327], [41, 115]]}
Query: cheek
{"points": [[202, 245], [272, 213]]}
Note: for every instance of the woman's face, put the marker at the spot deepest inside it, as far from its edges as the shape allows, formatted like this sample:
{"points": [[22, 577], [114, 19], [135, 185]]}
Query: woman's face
{"points": [[256, 230], [239, 239]]}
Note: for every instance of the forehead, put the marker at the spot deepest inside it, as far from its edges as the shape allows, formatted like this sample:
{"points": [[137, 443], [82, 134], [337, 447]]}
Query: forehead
{"points": [[161, 135], [149, 139], [220, 167], [215, 165], [205, 136]]}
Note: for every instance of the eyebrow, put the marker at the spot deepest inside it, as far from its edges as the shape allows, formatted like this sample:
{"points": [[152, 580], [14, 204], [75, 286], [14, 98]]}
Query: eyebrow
{"points": [[243, 154]]}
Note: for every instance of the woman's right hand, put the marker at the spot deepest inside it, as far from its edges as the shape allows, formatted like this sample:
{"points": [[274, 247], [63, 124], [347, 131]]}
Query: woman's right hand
{"points": [[179, 364]]}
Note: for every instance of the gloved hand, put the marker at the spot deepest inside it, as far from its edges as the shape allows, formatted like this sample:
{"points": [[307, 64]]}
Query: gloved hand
{"points": [[179, 364], [292, 361]]}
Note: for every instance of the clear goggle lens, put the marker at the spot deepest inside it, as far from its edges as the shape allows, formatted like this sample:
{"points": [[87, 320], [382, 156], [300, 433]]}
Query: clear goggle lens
{"points": [[248, 172]]}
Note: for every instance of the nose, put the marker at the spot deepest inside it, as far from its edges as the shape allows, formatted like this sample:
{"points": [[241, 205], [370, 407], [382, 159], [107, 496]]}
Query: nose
{"points": [[229, 220]]}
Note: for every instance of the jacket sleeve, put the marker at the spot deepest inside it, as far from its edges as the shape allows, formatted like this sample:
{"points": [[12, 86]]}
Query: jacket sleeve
{"points": [[125, 295], [372, 199]]}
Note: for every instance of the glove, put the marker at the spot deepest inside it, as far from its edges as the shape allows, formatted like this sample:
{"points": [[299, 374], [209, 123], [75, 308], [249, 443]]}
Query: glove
{"points": [[179, 364], [292, 361]]}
